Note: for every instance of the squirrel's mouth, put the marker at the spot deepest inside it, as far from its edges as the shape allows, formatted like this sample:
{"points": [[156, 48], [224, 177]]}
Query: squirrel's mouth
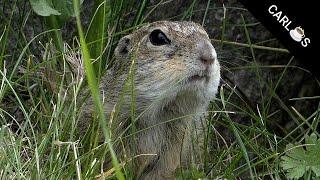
{"points": [[199, 77]]}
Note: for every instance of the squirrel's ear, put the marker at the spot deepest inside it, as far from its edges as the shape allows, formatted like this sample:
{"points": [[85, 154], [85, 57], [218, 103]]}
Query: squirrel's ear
{"points": [[124, 46]]}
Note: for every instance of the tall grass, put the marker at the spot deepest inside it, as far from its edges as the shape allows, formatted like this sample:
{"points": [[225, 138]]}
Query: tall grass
{"points": [[92, 82], [41, 101]]}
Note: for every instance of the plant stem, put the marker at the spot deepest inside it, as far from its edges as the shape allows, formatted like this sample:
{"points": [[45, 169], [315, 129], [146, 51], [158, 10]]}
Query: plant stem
{"points": [[253, 46], [95, 91]]}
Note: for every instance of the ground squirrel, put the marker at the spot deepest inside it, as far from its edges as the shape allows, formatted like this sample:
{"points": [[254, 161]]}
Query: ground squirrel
{"points": [[176, 74]]}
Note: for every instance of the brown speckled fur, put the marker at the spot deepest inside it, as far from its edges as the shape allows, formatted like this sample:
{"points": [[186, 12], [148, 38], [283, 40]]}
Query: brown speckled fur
{"points": [[163, 92]]}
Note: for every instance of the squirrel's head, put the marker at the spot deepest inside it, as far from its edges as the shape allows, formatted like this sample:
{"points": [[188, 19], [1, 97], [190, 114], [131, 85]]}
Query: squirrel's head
{"points": [[171, 58]]}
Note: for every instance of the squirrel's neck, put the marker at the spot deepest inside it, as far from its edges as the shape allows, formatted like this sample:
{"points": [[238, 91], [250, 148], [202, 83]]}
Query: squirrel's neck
{"points": [[178, 109]]}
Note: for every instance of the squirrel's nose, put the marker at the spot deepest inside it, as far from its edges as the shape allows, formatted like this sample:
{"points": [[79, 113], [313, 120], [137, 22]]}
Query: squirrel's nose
{"points": [[207, 52]]}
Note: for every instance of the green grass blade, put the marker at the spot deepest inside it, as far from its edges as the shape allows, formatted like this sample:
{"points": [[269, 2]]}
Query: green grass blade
{"points": [[93, 85], [96, 33]]}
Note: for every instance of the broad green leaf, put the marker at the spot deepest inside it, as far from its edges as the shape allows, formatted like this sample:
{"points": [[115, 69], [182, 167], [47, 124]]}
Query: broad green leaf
{"points": [[42, 8], [297, 172], [298, 160], [294, 161], [62, 9], [316, 169]]}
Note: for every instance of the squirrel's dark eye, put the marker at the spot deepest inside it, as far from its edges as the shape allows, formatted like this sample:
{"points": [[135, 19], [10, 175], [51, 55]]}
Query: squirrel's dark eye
{"points": [[158, 38]]}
